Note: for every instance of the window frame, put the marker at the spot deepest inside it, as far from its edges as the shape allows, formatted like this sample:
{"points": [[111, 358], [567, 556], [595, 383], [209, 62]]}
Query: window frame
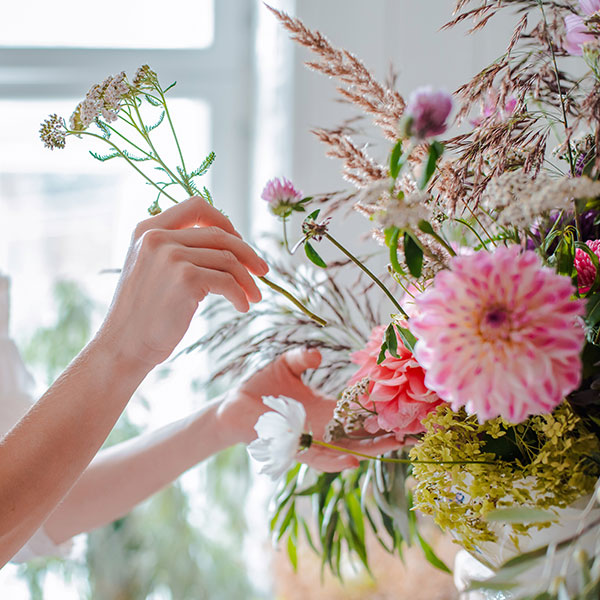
{"points": [[220, 75]]}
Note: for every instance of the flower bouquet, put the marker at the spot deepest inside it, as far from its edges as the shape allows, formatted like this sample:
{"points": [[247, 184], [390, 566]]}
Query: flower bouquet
{"points": [[484, 361]]}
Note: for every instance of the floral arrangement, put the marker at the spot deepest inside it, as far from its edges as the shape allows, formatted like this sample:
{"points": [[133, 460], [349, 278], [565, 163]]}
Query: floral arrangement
{"points": [[487, 369]]}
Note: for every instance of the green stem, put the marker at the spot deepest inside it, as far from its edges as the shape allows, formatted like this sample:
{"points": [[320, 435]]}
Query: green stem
{"points": [[564, 113], [164, 103], [361, 266], [294, 300], [285, 236], [115, 147], [404, 461], [142, 130]]}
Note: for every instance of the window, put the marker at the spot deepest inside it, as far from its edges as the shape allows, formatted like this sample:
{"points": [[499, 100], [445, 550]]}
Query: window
{"points": [[66, 216]]}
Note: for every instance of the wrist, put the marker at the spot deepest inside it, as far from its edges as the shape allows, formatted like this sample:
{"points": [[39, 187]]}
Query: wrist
{"points": [[119, 365]]}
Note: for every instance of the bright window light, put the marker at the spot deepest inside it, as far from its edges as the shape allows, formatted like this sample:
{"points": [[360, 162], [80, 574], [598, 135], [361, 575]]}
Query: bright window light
{"points": [[131, 24]]}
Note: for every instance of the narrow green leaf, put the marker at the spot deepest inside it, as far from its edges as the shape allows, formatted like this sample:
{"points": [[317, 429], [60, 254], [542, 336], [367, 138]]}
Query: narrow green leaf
{"points": [[436, 149], [355, 514], [290, 515], [391, 340], [431, 556], [314, 256], [426, 227], [395, 164], [206, 164], [408, 339], [150, 128], [292, 552], [592, 310], [151, 100], [382, 352], [392, 236], [413, 255], [169, 87]]}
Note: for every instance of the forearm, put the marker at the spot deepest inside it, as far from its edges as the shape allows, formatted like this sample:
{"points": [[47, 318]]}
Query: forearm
{"points": [[46, 452], [122, 476]]}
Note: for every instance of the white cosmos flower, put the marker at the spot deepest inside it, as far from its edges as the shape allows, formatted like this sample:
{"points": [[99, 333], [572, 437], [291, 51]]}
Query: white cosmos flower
{"points": [[278, 435]]}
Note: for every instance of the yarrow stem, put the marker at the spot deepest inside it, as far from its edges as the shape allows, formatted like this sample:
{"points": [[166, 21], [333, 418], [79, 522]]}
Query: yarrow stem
{"points": [[404, 461]]}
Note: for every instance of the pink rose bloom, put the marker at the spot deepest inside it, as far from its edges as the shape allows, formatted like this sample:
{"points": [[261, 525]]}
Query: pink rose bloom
{"points": [[396, 388], [498, 334], [586, 271], [427, 111], [577, 35]]}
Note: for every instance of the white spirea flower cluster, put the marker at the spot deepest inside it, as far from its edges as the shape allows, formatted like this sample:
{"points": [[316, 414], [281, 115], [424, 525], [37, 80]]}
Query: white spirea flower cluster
{"points": [[404, 207], [517, 199]]}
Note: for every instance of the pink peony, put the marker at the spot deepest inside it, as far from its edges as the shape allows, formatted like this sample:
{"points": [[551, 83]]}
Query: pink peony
{"points": [[498, 334], [427, 112], [577, 35], [586, 272], [396, 388]]}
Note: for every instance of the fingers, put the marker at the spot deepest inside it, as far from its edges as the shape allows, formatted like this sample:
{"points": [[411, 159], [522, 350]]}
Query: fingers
{"points": [[216, 238], [225, 261], [190, 212], [206, 281], [301, 359]]}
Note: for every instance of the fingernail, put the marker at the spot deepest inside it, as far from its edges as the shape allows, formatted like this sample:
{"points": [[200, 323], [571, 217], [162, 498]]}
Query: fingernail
{"points": [[265, 266]]}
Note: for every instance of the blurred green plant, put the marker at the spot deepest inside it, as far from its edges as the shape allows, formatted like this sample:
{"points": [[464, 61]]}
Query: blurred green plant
{"points": [[154, 551]]}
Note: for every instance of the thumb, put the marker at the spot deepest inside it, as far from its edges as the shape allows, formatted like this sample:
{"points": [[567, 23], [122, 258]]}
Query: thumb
{"points": [[301, 359]]}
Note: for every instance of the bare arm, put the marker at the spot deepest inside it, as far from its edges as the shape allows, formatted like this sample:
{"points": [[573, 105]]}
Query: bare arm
{"points": [[171, 266], [124, 475]]}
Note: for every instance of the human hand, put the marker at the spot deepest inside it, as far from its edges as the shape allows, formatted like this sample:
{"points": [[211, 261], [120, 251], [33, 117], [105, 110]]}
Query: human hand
{"points": [[240, 411], [175, 259]]}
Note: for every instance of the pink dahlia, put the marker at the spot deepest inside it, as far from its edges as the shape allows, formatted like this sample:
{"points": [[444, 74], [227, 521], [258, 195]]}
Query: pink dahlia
{"points": [[577, 34], [281, 195], [589, 7], [427, 112], [396, 389], [586, 271], [498, 334]]}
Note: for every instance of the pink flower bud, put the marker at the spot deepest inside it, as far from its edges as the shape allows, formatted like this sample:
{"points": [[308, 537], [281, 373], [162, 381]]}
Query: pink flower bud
{"points": [[427, 112]]}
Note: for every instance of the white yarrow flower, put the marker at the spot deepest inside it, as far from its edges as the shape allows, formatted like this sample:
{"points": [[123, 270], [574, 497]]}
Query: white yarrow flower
{"points": [[279, 435]]}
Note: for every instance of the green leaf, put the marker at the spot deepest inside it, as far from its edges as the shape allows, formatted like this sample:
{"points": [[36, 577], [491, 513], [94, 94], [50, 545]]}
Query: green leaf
{"points": [[392, 236], [408, 339], [152, 100], [426, 227], [382, 351], [314, 256], [436, 149], [206, 164], [290, 515], [292, 553], [564, 256], [391, 340], [356, 515], [431, 556], [395, 164], [208, 196], [150, 128], [592, 310], [104, 157], [169, 87], [413, 255], [313, 215], [521, 514]]}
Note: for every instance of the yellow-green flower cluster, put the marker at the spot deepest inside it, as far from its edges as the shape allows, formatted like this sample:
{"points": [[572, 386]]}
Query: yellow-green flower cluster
{"points": [[543, 462]]}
